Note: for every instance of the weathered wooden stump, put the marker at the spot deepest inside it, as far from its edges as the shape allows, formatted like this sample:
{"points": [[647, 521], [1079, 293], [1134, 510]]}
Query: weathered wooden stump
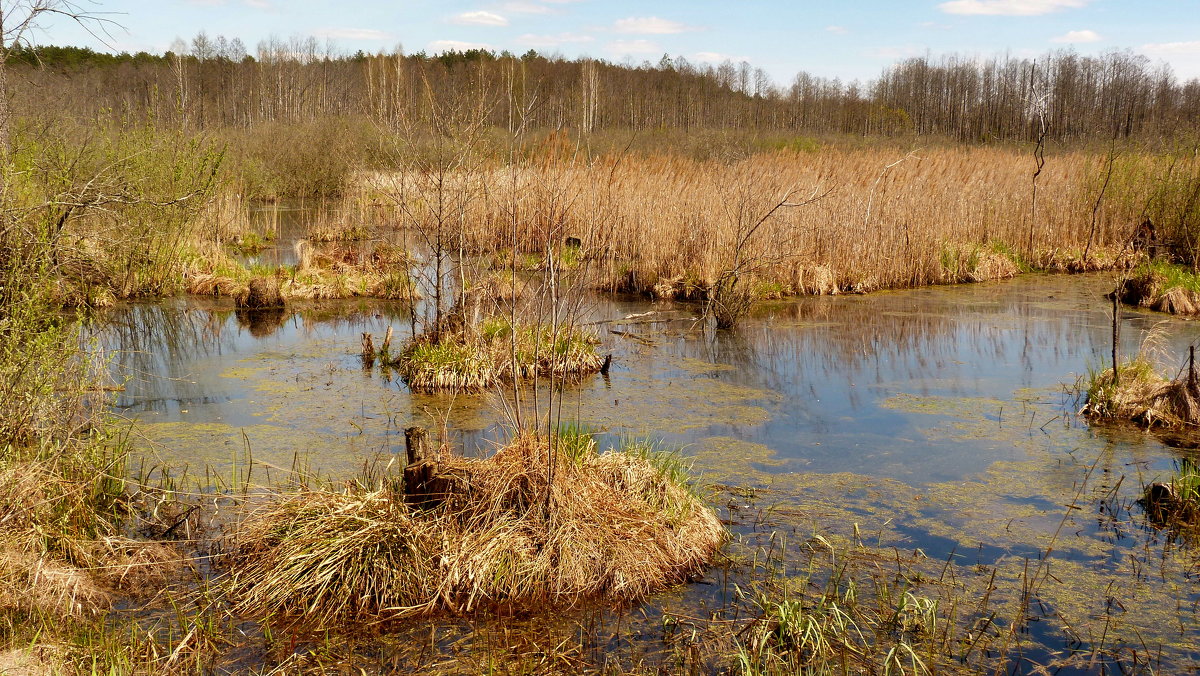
{"points": [[423, 485], [387, 344]]}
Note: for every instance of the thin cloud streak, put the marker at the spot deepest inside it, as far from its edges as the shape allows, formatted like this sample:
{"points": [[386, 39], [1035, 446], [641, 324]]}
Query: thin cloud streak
{"points": [[480, 18], [1009, 7], [650, 25]]}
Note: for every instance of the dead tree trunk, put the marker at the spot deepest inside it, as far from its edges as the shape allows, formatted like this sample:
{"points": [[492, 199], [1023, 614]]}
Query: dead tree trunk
{"points": [[422, 487], [1116, 332]]}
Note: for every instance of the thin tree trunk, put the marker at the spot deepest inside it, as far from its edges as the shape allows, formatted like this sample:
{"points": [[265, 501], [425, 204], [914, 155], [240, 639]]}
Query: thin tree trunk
{"points": [[5, 113]]}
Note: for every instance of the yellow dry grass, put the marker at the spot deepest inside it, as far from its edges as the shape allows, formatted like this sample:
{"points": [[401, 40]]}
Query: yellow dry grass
{"points": [[883, 219], [618, 525]]}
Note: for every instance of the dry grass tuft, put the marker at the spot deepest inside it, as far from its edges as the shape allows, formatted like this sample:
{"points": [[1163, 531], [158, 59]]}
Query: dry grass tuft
{"points": [[618, 525], [993, 265], [477, 357], [31, 584], [1142, 395], [262, 293], [1163, 287], [62, 547]]}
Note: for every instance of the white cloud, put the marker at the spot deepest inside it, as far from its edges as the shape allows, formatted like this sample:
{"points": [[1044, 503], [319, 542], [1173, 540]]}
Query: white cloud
{"points": [[1009, 7], [259, 4], [1076, 37], [836, 30], [545, 41], [1183, 57], [623, 47], [480, 18], [718, 57], [438, 46], [353, 34], [650, 25], [1165, 49]]}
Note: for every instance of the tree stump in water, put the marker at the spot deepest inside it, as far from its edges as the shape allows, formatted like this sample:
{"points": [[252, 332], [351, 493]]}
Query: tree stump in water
{"points": [[423, 485], [264, 292], [1160, 501]]}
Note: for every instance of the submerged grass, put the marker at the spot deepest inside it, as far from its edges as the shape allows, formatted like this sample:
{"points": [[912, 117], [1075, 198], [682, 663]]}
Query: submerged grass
{"points": [[526, 526]]}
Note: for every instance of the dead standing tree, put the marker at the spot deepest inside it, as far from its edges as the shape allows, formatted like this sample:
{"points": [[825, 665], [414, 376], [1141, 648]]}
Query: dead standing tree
{"points": [[742, 254]]}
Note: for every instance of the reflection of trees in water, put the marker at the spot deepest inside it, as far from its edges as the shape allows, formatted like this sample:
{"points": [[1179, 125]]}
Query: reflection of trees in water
{"points": [[155, 348], [910, 336], [153, 345]]}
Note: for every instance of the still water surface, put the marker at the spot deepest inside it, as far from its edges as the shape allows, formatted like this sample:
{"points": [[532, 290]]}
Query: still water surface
{"points": [[939, 418]]}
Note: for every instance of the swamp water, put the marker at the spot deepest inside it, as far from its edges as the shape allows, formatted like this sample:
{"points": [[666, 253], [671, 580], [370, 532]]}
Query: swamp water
{"points": [[933, 426]]}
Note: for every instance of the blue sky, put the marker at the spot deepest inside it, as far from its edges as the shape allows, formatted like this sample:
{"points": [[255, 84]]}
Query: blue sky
{"points": [[846, 39]]}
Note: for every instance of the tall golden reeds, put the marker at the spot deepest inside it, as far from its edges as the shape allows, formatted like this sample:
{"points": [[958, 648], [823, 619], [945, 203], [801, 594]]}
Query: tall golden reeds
{"points": [[884, 219]]}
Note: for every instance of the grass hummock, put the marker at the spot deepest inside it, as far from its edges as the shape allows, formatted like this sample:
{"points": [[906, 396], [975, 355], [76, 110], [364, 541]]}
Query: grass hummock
{"points": [[1142, 395], [1163, 286], [474, 358], [525, 527], [1176, 502]]}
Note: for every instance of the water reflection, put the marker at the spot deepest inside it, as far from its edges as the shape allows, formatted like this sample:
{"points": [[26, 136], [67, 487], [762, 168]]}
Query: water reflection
{"points": [[822, 381], [936, 418]]}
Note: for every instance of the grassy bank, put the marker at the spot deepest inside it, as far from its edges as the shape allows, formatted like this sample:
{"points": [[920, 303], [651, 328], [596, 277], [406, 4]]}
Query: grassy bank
{"points": [[766, 221], [477, 358], [1162, 286]]}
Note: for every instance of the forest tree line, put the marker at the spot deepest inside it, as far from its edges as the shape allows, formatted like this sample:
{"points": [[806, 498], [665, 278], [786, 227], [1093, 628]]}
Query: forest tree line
{"points": [[215, 82]]}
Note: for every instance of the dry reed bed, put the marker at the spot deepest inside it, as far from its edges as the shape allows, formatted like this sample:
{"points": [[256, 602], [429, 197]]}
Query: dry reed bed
{"points": [[618, 525], [881, 220]]}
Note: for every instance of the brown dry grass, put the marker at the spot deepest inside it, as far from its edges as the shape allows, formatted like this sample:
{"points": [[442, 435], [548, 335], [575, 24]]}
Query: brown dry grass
{"points": [[619, 525], [1140, 393], [63, 551], [883, 219]]}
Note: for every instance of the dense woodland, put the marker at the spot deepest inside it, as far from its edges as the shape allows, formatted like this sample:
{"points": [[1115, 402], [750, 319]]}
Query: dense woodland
{"points": [[216, 83]]}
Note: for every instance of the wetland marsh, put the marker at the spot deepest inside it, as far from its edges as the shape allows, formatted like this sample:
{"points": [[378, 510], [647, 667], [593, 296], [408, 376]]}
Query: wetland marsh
{"points": [[931, 433]]}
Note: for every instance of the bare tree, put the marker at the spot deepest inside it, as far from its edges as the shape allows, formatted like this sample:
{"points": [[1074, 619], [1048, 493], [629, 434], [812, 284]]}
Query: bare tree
{"points": [[18, 18]]}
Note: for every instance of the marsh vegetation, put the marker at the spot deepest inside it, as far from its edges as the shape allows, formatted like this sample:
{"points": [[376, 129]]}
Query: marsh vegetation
{"points": [[213, 483]]}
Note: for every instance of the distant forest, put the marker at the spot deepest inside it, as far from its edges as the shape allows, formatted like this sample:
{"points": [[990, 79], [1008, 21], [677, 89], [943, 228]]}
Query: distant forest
{"points": [[215, 82]]}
